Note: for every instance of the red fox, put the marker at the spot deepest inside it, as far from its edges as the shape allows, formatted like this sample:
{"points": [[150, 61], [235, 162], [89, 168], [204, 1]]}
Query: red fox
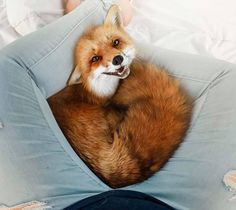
{"points": [[124, 117]]}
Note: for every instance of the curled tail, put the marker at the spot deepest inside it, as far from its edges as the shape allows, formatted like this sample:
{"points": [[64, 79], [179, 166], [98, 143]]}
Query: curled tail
{"points": [[155, 123]]}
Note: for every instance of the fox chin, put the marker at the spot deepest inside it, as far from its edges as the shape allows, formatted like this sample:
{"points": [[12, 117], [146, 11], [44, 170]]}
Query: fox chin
{"points": [[124, 117]]}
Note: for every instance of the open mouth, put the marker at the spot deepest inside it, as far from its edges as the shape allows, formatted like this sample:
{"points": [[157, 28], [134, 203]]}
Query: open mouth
{"points": [[121, 72]]}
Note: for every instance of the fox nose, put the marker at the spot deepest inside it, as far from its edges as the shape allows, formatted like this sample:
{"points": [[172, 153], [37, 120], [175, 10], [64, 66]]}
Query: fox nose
{"points": [[117, 60]]}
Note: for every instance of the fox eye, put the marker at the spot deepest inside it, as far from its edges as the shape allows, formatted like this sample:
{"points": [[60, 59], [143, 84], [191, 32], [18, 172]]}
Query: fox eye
{"points": [[95, 58], [116, 43]]}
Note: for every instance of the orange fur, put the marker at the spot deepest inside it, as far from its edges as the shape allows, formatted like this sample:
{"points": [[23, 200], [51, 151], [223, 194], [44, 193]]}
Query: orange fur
{"points": [[128, 136]]}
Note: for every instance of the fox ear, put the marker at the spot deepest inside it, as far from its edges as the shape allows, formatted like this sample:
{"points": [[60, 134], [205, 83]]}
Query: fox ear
{"points": [[74, 77], [114, 17]]}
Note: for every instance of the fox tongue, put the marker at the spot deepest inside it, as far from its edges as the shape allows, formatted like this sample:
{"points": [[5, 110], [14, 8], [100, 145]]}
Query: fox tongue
{"points": [[124, 73], [120, 70]]}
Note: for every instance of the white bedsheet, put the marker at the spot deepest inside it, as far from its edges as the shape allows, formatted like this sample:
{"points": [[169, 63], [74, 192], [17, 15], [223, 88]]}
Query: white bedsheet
{"points": [[20, 17], [26, 16], [7, 32], [206, 27]]}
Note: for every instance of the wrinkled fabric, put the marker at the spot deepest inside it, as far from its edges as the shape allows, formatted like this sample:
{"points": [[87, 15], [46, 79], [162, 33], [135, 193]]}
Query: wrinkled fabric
{"points": [[38, 164]]}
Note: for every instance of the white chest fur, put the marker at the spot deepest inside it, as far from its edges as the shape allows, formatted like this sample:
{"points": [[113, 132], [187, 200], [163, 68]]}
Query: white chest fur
{"points": [[103, 85]]}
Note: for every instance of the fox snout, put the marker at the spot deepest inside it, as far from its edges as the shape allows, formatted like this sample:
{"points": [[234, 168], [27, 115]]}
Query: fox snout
{"points": [[117, 60], [103, 56]]}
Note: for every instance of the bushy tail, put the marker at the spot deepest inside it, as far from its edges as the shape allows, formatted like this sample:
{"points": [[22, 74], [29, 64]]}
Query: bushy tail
{"points": [[156, 120]]}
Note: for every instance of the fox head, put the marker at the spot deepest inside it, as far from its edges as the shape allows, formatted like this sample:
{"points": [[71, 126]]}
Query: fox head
{"points": [[103, 55]]}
